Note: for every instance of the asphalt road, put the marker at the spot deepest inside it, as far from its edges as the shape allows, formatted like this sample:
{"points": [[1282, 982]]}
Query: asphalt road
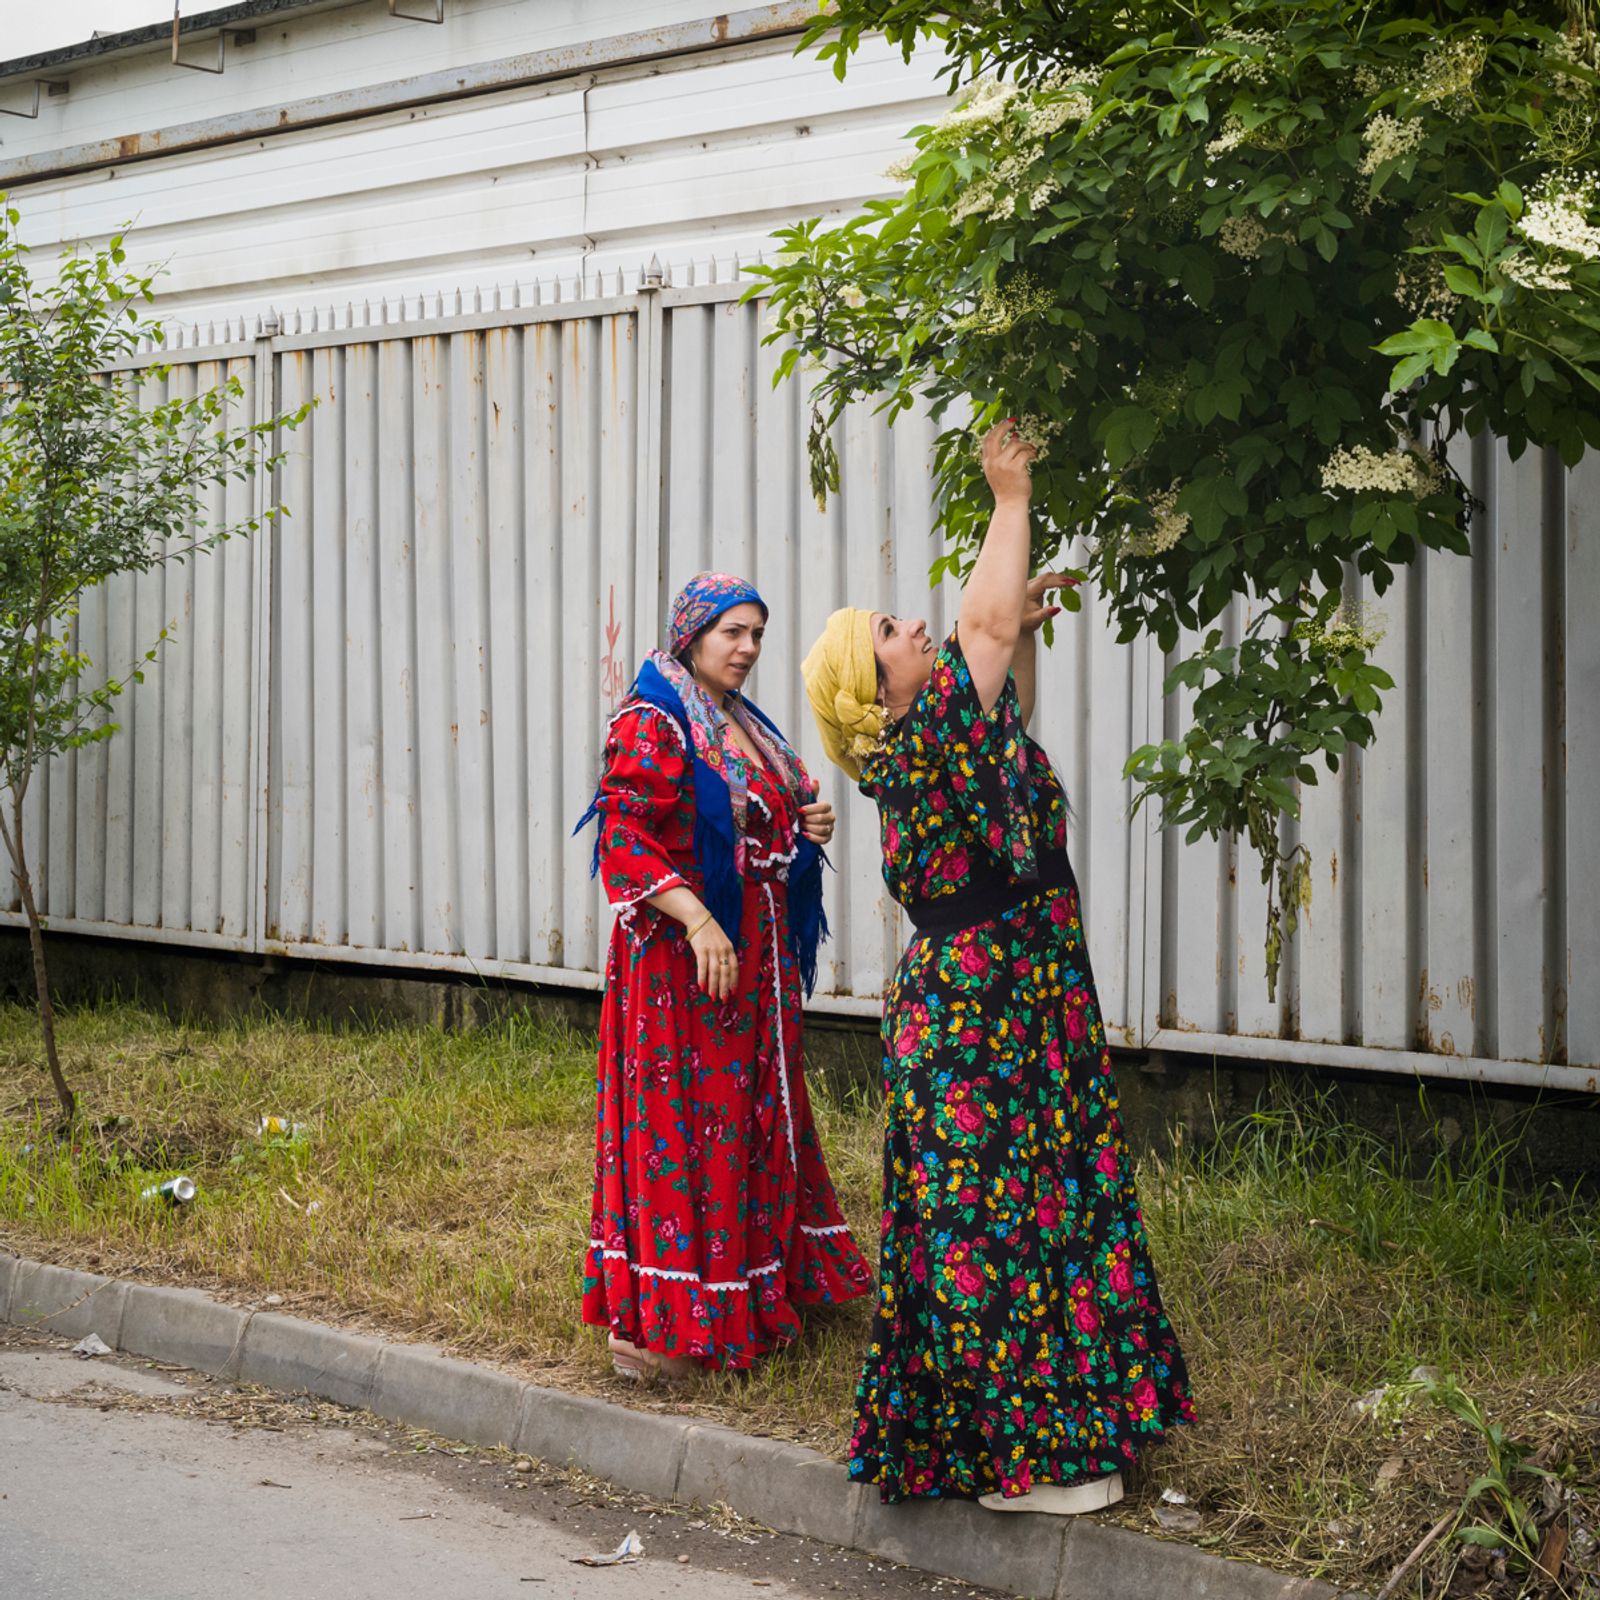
{"points": [[120, 1480]]}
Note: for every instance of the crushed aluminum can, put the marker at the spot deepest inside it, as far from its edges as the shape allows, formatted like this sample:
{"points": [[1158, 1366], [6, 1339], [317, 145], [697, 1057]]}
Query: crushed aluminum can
{"points": [[177, 1191], [279, 1128]]}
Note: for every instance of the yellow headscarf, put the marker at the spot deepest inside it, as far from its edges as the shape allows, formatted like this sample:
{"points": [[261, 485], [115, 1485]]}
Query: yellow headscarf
{"points": [[841, 676]]}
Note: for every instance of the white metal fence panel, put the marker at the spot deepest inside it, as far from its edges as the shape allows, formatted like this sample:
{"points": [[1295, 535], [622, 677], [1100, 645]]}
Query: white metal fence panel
{"points": [[1455, 861], [153, 828], [373, 730], [453, 598]]}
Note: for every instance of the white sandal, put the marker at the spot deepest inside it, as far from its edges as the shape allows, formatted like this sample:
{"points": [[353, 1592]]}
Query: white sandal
{"points": [[1060, 1500]]}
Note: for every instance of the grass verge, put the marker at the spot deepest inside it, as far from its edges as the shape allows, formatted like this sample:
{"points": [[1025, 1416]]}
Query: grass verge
{"points": [[440, 1189]]}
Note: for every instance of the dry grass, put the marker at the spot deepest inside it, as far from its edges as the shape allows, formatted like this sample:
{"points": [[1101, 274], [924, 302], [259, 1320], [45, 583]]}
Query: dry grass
{"points": [[441, 1190]]}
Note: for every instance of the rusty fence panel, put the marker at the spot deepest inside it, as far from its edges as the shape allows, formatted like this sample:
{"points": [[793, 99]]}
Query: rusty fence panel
{"points": [[373, 729]]}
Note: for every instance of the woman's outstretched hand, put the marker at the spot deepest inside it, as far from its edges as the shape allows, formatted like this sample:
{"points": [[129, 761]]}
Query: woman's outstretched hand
{"points": [[1035, 611], [1005, 463], [716, 961], [817, 821]]}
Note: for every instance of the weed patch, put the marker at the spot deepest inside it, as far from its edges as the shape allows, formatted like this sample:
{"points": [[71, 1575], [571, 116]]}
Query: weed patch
{"points": [[1355, 1329]]}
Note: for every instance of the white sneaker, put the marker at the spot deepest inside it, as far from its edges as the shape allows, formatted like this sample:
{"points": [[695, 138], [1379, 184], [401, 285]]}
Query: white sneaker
{"points": [[1060, 1500]]}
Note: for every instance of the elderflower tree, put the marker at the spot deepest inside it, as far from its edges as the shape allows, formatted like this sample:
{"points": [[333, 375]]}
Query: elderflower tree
{"points": [[1241, 269]]}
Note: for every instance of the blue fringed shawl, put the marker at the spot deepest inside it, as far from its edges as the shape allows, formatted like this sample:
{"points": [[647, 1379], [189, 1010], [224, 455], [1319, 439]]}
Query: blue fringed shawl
{"points": [[716, 837]]}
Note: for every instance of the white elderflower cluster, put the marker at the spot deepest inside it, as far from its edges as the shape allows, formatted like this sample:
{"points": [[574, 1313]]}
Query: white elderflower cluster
{"points": [[1248, 68], [1043, 192], [1450, 67], [1038, 431], [1356, 625], [900, 171], [1397, 472], [1231, 135], [984, 107], [1559, 220], [1024, 120], [1568, 130], [995, 193], [1001, 308], [1387, 138], [1578, 49], [1524, 271], [1423, 291], [1032, 428], [1244, 236], [1168, 525], [1054, 105]]}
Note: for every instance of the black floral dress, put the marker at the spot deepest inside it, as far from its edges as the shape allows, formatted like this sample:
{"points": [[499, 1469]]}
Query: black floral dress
{"points": [[1019, 1337]]}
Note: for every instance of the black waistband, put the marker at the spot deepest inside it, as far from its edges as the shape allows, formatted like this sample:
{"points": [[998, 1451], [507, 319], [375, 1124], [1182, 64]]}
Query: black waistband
{"points": [[985, 899]]}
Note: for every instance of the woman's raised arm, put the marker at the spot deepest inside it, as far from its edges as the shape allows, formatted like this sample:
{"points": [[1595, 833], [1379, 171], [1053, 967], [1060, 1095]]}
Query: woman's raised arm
{"points": [[990, 620]]}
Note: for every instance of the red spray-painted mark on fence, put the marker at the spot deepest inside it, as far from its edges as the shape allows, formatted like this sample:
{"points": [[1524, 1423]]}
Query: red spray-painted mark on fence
{"points": [[613, 672]]}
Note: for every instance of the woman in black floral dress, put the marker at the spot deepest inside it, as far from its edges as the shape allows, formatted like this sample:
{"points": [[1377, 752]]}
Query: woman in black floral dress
{"points": [[1020, 1354]]}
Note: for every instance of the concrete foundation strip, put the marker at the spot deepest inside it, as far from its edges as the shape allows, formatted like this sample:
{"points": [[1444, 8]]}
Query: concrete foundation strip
{"points": [[783, 1486]]}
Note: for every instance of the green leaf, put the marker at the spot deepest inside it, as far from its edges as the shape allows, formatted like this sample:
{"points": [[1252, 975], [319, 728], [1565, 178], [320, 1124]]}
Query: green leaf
{"points": [[1425, 334], [1128, 431]]}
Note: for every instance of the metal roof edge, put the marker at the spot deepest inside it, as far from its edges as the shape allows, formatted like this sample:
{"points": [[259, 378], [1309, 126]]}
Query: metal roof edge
{"points": [[241, 14], [450, 83]]}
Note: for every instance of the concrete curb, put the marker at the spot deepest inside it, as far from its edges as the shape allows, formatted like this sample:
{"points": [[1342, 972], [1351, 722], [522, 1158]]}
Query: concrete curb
{"points": [[783, 1486]]}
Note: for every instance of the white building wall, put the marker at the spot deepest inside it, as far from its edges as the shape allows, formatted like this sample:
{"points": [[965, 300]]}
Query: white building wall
{"points": [[705, 153]]}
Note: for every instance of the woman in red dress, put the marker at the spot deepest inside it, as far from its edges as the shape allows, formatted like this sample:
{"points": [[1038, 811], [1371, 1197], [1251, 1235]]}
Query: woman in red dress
{"points": [[714, 1218]]}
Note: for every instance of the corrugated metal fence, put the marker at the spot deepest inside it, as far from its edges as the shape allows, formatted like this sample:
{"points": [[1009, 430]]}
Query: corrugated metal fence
{"points": [[372, 731]]}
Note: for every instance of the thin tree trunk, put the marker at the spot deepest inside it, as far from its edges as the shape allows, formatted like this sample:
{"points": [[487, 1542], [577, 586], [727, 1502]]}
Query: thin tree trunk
{"points": [[41, 978]]}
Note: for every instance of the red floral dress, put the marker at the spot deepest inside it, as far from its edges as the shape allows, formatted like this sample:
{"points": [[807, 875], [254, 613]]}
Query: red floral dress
{"points": [[714, 1217]]}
